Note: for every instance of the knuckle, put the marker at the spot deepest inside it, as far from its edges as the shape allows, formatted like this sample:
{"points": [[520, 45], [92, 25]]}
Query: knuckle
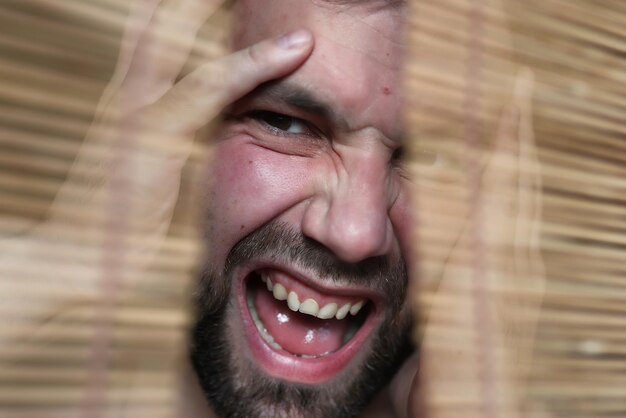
{"points": [[256, 55]]}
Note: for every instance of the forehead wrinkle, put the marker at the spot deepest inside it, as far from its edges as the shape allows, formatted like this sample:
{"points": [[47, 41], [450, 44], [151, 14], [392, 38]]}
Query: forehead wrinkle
{"points": [[379, 58], [396, 12], [354, 121], [393, 38]]}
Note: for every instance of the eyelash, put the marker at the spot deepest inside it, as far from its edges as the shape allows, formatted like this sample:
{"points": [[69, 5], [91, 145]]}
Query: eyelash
{"points": [[262, 117]]}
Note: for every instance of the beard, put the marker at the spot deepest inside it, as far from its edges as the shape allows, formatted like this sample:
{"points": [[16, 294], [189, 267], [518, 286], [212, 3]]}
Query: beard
{"points": [[236, 387]]}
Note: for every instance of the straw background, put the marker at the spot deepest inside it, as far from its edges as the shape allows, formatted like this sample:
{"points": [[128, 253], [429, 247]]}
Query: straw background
{"points": [[464, 59], [56, 59]]}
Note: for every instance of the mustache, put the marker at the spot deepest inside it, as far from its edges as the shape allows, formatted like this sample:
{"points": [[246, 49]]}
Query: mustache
{"points": [[236, 388], [283, 243]]}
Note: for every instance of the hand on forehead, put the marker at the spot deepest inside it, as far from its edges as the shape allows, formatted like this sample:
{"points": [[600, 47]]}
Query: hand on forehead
{"points": [[355, 65]]}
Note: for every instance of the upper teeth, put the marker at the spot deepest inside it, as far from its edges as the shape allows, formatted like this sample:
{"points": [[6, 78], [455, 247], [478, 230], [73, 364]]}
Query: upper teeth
{"points": [[310, 306]]}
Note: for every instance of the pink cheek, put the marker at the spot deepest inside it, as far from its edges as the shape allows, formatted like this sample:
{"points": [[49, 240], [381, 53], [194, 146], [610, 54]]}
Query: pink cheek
{"points": [[251, 186]]}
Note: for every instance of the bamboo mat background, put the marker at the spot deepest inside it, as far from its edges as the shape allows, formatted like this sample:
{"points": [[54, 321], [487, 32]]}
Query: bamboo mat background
{"points": [[463, 61], [113, 350], [577, 48], [56, 59]]}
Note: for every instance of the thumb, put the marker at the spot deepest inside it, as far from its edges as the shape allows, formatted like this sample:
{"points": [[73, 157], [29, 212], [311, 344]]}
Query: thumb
{"points": [[214, 85]]}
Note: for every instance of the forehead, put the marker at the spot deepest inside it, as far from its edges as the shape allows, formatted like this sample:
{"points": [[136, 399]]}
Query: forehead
{"points": [[356, 63]]}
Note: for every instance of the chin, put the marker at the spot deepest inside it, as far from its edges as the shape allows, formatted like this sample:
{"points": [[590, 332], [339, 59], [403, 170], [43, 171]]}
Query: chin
{"points": [[297, 333]]}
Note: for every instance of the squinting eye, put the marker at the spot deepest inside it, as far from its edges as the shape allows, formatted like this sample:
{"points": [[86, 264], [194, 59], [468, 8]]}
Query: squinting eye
{"points": [[281, 123]]}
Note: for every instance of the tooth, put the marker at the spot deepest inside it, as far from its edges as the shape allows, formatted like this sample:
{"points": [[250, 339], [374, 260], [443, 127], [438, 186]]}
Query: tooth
{"points": [[293, 302], [310, 307], [357, 307], [270, 285], [327, 311], [263, 278], [343, 311], [280, 292]]}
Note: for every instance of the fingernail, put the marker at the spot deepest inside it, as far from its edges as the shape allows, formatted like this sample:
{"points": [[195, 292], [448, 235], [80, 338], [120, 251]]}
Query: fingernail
{"points": [[295, 39]]}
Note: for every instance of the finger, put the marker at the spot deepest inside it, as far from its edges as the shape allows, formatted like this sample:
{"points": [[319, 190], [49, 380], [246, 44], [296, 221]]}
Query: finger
{"points": [[529, 186], [500, 179], [530, 178], [201, 95], [528, 258], [138, 19], [164, 46], [523, 89]]}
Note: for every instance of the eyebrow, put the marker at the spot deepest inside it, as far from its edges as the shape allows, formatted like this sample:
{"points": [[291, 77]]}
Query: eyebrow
{"points": [[299, 97]]}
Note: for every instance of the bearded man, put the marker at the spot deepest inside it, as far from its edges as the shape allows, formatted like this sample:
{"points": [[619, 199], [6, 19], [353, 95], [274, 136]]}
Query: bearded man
{"points": [[302, 302]]}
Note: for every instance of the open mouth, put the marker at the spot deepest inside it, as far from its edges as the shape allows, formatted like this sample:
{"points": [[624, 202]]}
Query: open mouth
{"points": [[298, 332]]}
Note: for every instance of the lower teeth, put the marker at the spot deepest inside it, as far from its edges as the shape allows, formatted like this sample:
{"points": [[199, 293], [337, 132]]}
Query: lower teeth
{"points": [[259, 325], [267, 337]]}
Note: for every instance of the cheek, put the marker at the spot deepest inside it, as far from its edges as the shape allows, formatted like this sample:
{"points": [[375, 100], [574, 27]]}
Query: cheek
{"points": [[249, 186]]}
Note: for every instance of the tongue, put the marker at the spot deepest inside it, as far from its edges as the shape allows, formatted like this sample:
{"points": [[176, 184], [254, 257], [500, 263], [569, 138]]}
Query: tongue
{"points": [[296, 332]]}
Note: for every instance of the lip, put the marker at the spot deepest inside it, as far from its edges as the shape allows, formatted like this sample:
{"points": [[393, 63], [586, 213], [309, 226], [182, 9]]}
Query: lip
{"points": [[297, 369]]}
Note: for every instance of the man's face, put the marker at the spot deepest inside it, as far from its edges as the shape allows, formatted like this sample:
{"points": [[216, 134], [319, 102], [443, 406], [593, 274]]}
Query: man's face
{"points": [[303, 299]]}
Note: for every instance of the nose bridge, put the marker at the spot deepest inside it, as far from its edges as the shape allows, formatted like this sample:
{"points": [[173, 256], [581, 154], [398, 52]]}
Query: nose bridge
{"points": [[351, 216]]}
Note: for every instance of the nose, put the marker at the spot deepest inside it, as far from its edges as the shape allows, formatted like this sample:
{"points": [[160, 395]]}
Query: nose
{"points": [[349, 214]]}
